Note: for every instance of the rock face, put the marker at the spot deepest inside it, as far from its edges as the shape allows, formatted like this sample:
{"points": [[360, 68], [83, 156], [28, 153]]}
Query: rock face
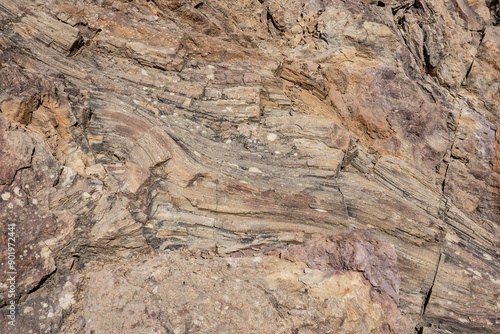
{"points": [[271, 166]]}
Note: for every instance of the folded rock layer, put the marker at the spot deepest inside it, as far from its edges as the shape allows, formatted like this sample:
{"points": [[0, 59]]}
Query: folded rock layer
{"points": [[267, 166]]}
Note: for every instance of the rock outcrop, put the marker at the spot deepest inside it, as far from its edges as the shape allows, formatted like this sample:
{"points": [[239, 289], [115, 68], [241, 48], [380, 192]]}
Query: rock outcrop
{"points": [[267, 166]]}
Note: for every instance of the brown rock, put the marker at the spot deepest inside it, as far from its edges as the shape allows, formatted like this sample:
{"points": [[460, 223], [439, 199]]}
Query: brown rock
{"points": [[357, 252], [222, 294], [16, 150], [168, 151]]}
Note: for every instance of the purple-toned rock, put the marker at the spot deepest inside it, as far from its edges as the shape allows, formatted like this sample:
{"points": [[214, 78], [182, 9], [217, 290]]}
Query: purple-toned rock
{"points": [[355, 251]]}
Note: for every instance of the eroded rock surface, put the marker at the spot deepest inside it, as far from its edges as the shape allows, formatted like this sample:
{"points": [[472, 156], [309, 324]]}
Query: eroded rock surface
{"points": [[256, 293], [276, 166]]}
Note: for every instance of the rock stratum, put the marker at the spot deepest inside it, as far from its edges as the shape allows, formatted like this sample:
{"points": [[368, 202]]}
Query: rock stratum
{"points": [[254, 166]]}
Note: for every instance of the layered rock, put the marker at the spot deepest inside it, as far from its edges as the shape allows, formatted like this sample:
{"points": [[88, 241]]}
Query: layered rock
{"points": [[197, 164]]}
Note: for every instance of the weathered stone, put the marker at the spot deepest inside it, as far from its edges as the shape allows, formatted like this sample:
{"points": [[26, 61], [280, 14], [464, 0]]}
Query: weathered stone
{"points": [[277, 299], [358, 252], [20, 110], [16, 149], [170, 151], [483, 77]]}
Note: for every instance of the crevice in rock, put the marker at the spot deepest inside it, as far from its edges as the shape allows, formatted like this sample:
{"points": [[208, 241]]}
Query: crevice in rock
{"points": [[344, 202], [77, 46], [86, 119], [270, 19], [42, 282], [85, 35], [473, 60], [22, 168], [444, 178], [19, 170], [429, 292], [452, 125], [74, 264], [399, 17], [468, 72], [273, 301], [430, 93], [428, 67]]}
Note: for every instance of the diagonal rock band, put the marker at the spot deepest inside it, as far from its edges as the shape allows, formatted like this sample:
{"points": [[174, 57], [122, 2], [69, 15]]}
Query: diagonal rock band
{"points": [[277, 166]]}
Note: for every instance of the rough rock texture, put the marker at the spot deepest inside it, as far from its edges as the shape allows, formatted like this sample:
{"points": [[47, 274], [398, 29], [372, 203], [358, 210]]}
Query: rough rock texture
{"points": [[267, 166], [195, 292]]}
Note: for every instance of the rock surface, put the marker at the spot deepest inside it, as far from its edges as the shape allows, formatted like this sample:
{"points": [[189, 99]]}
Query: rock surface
{"points": [[272, 166]]}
